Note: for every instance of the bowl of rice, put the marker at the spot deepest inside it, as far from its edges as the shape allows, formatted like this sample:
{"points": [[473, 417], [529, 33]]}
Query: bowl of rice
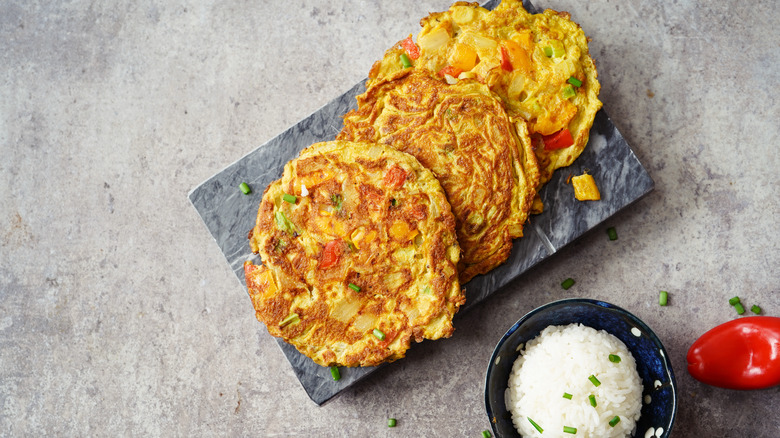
{"points": [[580, 368]]}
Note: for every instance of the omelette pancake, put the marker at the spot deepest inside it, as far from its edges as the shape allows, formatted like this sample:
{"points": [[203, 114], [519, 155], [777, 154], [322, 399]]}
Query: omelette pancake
{"points": [[359, 255], [462, 133], [538, 64]]}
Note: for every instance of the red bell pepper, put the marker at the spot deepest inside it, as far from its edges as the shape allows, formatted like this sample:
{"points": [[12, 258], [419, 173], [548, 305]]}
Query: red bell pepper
{"points": [[450, 70], [506, 64], [395, 177], [331, 253], [559, 140], [411, 48], [741, 354]]}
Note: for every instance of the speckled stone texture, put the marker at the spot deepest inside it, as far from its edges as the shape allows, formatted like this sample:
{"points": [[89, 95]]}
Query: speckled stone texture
{"points": [[119, 315]]}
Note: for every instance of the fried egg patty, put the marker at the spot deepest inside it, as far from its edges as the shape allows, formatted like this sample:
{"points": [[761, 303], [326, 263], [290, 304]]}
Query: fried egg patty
{"points": [[359, 255], [462, 133], [527, 59]]}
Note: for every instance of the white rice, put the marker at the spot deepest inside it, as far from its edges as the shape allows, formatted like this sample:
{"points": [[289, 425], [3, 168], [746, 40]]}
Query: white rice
{"points": [[560, 360]]}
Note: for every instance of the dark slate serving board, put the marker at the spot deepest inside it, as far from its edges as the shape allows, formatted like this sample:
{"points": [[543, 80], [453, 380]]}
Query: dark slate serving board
{"points": [[229, 214]]}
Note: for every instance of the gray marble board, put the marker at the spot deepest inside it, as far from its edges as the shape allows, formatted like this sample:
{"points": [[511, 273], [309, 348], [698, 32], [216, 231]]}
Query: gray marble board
{"points": [[229, 214]]}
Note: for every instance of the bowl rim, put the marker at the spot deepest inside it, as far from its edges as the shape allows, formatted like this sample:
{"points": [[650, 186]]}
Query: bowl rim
{"points": [[591, 302]]}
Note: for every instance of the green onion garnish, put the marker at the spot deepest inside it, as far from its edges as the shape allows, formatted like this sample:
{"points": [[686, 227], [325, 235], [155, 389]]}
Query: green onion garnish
{"points": [[568, 92], [566, 284], [548, 51], [334, 371], [354, 287], [567, 429], [558, 51], [536, 426], [574, 81], [405, 60], [245, 188], [614, 421], [592, 399], [755, 309], [566, 395], [289, 320], [614, 358], [379, 334], [486, 434], [337, 200], [391, 422], [284, 223], [612, 233], [594, 380], [740, 309], [734, 301], [663, 297], [289, 198]]}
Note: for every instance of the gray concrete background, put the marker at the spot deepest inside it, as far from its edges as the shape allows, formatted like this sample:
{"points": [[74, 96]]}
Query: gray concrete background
{"points": [[120, 317]]}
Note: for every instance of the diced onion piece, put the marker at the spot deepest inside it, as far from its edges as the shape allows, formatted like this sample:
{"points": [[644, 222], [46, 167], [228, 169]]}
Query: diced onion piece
{"points": [[467, 75], [304, 190], [433, 40], [450, 80], [462, 14]]}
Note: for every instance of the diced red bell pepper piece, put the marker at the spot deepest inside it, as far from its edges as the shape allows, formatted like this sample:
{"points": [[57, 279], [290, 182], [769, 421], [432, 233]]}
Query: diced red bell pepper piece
{"points": [[559, 140], [506, 64], [411, 48], [331, 253], [395, 177], [450, 70]]}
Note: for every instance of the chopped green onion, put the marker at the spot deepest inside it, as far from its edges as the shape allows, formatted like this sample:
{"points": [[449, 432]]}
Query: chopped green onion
{"points": [[567, 429], [334, 371], [663, 297], [574, 81], [566, 395], [614, 421], [245, 188], [284, 223], [614, 358], [391, 422], [594, 380], [354, 287], [734, 301], [592, 399], [289, 198], [755, 309], [548, 51], [612, 233], [289, 320], [568, 92], [379, 334], [486, 434], [337, 200], [740, 309], [558, 51], [405, 60], [536, 426], [566, 284]]}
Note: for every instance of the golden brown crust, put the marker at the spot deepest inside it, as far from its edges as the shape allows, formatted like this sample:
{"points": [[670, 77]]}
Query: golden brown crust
{"points": [[462, 133], [372, 219]]}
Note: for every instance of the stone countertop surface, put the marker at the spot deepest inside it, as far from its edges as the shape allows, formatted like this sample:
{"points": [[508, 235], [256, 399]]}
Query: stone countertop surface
{"points": [[120, 317]]}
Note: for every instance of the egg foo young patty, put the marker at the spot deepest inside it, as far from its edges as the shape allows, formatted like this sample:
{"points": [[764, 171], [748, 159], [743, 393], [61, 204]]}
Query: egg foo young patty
{"points": [[462, 133], [539, 64], [359, 255]]}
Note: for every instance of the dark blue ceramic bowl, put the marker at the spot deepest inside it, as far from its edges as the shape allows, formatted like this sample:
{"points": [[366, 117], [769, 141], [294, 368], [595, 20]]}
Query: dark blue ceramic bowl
{"points": [[653, 362]]}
